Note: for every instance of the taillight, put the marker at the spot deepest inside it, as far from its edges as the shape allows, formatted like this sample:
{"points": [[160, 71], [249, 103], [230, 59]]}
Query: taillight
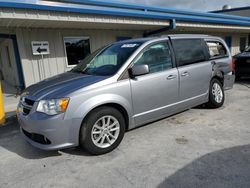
{"points": [[233, 64]]}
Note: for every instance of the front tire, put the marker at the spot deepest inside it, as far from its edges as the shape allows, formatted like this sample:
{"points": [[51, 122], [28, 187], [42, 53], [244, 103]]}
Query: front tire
{"points": [[102, 130], [216, 94]]}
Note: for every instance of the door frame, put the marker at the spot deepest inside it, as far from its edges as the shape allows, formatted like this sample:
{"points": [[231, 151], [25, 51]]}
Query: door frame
{"points": [[17, 58]]}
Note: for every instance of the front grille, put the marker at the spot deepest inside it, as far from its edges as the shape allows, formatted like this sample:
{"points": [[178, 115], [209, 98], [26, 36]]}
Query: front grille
{"points": [[26, 105], [37, 138], [29, 101], [26, 111]]}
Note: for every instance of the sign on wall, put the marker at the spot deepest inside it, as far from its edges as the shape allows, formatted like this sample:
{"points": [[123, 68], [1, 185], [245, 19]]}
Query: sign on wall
{"points": [[40, 47]]}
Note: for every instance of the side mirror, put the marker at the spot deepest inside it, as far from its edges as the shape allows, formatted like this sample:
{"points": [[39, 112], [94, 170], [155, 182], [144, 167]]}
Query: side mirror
{"points": [[138, 70]]}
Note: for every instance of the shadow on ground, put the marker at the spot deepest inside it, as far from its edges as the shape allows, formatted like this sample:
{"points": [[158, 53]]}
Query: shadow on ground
{"points": [[223, 169], [244, 81]]}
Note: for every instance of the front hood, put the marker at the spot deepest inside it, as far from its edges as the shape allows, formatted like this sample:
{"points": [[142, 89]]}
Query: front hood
{"points": [[61, 85]]}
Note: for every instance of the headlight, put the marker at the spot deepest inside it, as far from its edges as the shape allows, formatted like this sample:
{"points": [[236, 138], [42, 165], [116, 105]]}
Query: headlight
{"points": [[53, 106]]}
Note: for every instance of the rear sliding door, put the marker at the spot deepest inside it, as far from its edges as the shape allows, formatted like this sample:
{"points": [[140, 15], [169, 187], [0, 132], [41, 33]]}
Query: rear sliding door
{"points": [[195, 71]]}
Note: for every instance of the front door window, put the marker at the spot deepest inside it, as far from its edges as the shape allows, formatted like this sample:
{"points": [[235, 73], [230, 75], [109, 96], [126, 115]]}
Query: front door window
{"points": [[156, 56]]}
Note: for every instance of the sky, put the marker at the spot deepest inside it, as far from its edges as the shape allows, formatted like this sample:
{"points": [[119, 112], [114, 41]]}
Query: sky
{"points": [[201, 5]]}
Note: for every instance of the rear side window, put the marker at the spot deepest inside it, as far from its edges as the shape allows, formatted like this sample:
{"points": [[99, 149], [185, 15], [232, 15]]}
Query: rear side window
{"points": [[189, 51], [216, 49]]}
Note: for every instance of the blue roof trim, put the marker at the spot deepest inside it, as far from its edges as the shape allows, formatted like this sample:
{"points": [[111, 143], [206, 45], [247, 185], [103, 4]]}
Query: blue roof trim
{"points": [[116, 4], [131, 12]]}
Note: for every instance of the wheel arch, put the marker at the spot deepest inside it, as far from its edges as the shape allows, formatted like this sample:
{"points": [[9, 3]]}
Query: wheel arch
{"points": [[117, 106], [80, 108], [219, 76], [118, 102]]}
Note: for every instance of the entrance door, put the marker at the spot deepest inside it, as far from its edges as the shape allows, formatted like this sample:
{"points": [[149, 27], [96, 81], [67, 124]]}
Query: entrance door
{"points": [[8, 67]]}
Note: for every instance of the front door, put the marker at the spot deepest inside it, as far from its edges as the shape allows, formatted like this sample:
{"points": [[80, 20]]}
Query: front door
{"points": [[155, 93]]}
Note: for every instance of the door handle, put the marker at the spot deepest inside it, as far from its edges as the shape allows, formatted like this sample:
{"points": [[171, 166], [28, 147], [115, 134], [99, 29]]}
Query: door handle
{"points": [[171, 77], [185, 74]]}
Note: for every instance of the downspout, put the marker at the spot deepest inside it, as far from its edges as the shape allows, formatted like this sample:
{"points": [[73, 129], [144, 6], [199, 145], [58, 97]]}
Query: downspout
{"points": [[172, 25]]}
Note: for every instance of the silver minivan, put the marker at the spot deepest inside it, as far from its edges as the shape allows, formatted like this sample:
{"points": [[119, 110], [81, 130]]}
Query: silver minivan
{"points": [[122, 86]]}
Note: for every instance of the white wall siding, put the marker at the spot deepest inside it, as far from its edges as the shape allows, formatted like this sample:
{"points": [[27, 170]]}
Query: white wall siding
{"points": [[35, 69], [212, 27]]}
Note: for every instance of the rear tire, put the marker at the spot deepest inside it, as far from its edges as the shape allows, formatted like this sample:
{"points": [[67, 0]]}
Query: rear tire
{"points": [[216, 94], [102, 130]]}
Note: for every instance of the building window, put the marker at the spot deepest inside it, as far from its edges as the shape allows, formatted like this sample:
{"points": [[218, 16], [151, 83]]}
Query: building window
{"points": [[189, 51], [216, 49], [77, 48]]}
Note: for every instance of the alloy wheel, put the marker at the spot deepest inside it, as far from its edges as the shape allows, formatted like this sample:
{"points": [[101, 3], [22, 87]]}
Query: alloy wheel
{"points": [[217, 93], [105, 131]]}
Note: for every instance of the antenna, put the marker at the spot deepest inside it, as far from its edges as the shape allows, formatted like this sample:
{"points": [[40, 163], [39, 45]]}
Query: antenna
{"points": [[226, 7]]}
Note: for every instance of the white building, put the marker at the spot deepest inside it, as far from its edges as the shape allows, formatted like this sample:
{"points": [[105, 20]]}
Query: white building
{"points": [[71, 29]]}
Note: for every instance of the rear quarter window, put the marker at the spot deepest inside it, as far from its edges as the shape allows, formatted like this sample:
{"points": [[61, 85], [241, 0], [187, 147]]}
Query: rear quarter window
{"points": [[189, 51], [216, 49]]}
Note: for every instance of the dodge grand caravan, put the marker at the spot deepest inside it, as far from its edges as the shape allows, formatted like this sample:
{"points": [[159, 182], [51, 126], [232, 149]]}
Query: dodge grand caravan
{"points": [[122, 86]]}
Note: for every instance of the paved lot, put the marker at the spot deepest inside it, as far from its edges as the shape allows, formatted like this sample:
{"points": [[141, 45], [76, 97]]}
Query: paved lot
{"points": [[197, 148]]}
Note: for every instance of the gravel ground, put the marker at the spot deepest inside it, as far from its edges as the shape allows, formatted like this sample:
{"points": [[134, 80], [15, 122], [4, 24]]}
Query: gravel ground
{"points": [[196, 148]]}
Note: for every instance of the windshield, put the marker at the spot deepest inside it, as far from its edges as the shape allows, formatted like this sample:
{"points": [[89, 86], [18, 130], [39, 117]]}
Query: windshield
{"points": [[108, 60], [247, 49]]}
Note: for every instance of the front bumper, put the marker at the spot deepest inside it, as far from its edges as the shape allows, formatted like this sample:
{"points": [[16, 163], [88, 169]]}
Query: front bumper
{"points": [[57, 132]]}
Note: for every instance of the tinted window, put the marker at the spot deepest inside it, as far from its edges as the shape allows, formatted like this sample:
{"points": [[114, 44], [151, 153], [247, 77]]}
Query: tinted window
{"points": [[216, 49], [108, 60], [156, 56], [188, 51], [77, 48]]}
